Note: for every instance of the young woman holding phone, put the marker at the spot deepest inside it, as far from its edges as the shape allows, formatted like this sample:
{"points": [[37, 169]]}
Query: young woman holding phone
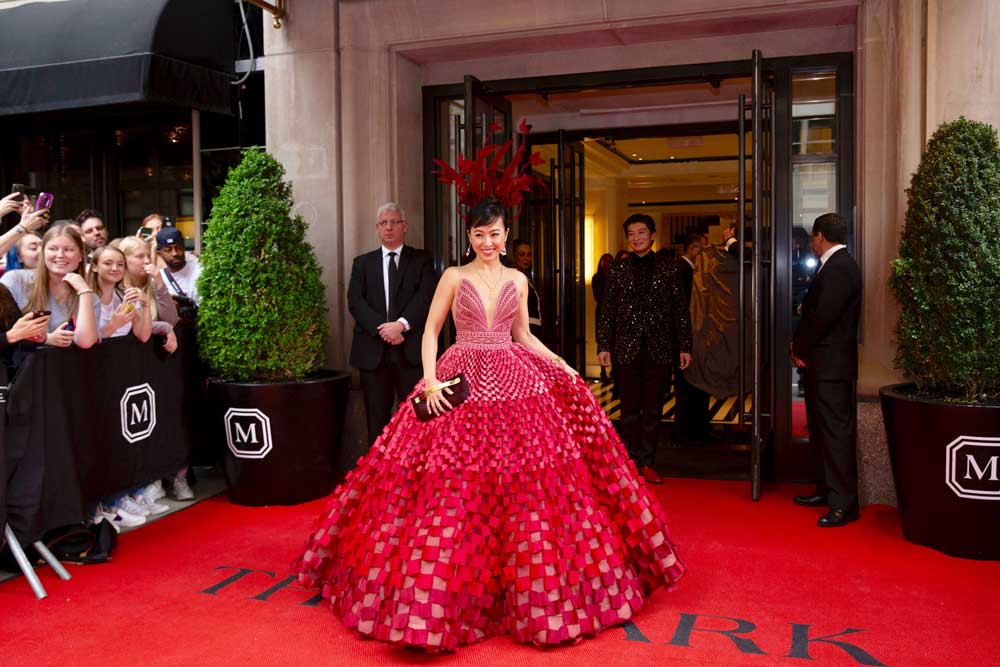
{"points": [[122, 310], [57, 285]]}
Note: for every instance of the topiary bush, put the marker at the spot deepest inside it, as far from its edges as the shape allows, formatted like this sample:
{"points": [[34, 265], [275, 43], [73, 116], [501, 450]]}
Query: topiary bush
{"points": [[947, 275], [262, 314]]}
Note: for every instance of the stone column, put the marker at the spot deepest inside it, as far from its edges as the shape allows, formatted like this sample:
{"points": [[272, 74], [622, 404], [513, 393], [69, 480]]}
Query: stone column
{"points": [[302, 107], [963, 61]]}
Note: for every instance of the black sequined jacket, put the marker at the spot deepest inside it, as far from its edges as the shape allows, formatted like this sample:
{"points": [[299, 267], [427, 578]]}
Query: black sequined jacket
{"points": [[631, 312]]}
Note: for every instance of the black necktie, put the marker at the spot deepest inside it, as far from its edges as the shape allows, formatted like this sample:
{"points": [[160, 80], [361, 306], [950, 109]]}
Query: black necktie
{"points": [[390, 306]]}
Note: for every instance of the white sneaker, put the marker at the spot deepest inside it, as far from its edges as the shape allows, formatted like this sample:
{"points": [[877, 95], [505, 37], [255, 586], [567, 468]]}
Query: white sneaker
{"points": [[132, 507], [117, 518], [182, 491], [143, 500], [155, 491]]}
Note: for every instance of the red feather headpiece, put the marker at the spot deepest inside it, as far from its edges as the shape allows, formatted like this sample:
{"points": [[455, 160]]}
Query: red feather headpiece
{"points": [[484, 176]]}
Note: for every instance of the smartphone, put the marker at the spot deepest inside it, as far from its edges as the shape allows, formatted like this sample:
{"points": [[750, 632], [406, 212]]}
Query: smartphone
{"points": [[146, 232], [71, 324], [167, 222], [44, 201], [42, 313], [19, 188]]}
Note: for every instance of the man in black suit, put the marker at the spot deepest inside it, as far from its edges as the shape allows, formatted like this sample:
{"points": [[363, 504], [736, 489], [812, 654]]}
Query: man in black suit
{"points": [[389, 294], [825, 346], [644, 328]]}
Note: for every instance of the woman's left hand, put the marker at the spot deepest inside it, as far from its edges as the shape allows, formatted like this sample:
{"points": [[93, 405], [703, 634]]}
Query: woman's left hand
{"points": [[570, 371], [76, 281]]}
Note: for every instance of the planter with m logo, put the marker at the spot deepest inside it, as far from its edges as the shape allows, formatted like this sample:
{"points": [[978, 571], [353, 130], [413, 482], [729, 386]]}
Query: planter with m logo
{"points": [[282, 437], [946, 463]]}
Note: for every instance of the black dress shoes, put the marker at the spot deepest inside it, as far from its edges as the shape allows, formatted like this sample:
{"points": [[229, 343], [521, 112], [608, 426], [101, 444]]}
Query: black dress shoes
{"points": [[837, 518], [815, 500]]}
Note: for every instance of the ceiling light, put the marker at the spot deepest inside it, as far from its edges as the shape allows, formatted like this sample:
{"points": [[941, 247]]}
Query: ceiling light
{"points": [[633, 154], [640, 158]]}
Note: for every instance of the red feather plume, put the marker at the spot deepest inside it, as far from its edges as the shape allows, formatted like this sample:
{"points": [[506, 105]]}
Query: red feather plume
{"points": [[484, 176]]}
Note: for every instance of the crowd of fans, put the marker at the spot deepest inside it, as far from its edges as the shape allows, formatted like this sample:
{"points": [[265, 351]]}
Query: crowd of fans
{"points": [[65, 283]]}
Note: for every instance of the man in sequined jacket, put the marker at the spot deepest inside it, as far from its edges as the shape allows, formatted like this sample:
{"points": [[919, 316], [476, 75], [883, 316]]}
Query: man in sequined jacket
{"points": [[644, 329]]}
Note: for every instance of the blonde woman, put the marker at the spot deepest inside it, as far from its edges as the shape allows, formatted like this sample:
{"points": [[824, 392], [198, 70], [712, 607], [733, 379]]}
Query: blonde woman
{"points": [[142, 273], [58, 286], [122, 311]]}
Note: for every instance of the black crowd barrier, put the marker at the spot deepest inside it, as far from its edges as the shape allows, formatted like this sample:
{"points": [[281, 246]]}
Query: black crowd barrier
{"points": [[82, 424]]}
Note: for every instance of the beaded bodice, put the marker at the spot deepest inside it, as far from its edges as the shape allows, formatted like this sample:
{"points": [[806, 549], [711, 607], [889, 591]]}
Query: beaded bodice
{"points": [[471, 319]]}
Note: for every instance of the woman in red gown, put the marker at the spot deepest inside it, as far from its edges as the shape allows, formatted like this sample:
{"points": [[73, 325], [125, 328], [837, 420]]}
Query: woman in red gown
{"points": [[516, 512]]}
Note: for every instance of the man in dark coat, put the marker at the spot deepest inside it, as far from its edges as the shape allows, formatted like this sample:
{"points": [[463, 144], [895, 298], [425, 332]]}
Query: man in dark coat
{"points": [[825, 345], [389, 294], [644, 329]]}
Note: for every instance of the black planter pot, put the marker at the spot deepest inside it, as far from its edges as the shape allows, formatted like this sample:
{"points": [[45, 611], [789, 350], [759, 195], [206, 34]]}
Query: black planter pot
{"points": [[946, 464], [281, 438]]}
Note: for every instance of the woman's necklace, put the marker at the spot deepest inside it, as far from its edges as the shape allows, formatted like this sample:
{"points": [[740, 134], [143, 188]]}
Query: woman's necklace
{"points": [[494, 287]]}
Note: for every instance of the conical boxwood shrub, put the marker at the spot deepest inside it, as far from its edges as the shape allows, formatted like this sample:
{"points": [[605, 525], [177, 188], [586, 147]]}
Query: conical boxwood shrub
{"points": [[262, 315], [947, 275]]}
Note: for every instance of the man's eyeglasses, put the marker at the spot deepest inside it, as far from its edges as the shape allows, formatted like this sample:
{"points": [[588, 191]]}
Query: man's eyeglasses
{"points": [[390, 223]]}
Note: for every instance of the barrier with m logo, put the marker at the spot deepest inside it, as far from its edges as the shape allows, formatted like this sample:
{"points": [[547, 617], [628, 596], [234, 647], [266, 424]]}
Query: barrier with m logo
{"points": [[82, 424]]}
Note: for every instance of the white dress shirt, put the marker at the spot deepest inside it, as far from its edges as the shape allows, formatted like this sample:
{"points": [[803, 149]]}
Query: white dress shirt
{"points": [[826, 255], [385, 277]]}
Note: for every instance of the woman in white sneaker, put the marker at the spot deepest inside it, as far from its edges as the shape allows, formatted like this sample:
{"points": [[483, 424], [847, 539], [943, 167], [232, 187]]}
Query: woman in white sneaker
{"points": [[141, 272], [124, 311]]}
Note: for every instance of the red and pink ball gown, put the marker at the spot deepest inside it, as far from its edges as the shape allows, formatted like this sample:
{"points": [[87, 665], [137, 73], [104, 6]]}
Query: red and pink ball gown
{"points": [[518, 512]]}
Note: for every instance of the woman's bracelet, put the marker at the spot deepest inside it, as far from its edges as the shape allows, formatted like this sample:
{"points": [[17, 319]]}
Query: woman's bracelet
{"points": [[86, 291], [24, 230]]}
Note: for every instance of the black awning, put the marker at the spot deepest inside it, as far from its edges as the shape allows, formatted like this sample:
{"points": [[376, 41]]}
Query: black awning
{"points": [[86, 53]]}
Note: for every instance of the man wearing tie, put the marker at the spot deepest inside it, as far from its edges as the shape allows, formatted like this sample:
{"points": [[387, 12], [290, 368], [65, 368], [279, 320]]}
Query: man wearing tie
{"points": [[388, 296], [825, 346]]}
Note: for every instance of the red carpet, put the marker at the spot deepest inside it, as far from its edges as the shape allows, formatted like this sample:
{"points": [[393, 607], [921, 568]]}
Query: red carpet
{"points": [[762, 569]]}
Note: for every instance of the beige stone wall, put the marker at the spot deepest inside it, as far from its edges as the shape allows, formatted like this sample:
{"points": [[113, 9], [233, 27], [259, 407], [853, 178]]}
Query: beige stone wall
{"points": [[344, 85], [344, 98]]}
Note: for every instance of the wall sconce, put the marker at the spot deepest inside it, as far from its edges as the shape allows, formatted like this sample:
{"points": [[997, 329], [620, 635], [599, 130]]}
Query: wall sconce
{"points": [[277, 9]]}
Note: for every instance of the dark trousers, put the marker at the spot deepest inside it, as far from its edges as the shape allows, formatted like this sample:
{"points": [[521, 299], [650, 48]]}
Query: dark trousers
{"points": [[641, 389], [391, 381], [692, 409], [831, 412]]}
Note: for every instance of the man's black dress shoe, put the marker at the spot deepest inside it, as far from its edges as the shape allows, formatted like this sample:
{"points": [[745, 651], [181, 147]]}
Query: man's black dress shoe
{"points": [[815, 500], [837, 518]]}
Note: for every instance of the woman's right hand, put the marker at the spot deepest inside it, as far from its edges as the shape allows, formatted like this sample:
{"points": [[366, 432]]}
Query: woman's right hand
{"points": [[11, 203], [60, 337], [436, 400], [28, 328]]}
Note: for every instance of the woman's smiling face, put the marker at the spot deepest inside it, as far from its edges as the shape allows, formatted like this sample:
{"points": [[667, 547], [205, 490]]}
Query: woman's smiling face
{"points": [[62, 255]]}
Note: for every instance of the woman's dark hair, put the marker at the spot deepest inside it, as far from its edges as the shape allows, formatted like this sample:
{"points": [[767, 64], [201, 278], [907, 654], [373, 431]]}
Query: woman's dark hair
{"points": [[517, 244], [484, 213], [600, 262], [622, 254]]}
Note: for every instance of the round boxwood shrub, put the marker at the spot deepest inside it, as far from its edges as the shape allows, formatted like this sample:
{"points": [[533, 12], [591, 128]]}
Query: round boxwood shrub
{"points": [[262, 315], [947, 275]]}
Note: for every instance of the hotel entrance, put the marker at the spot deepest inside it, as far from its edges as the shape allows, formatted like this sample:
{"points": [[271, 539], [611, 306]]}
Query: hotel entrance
{"points": [[759, 147]]}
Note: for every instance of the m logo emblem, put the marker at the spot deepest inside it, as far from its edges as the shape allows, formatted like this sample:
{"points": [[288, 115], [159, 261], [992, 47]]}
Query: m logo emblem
{"points": [[972, 469], [248, 433], [138, 412]]}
